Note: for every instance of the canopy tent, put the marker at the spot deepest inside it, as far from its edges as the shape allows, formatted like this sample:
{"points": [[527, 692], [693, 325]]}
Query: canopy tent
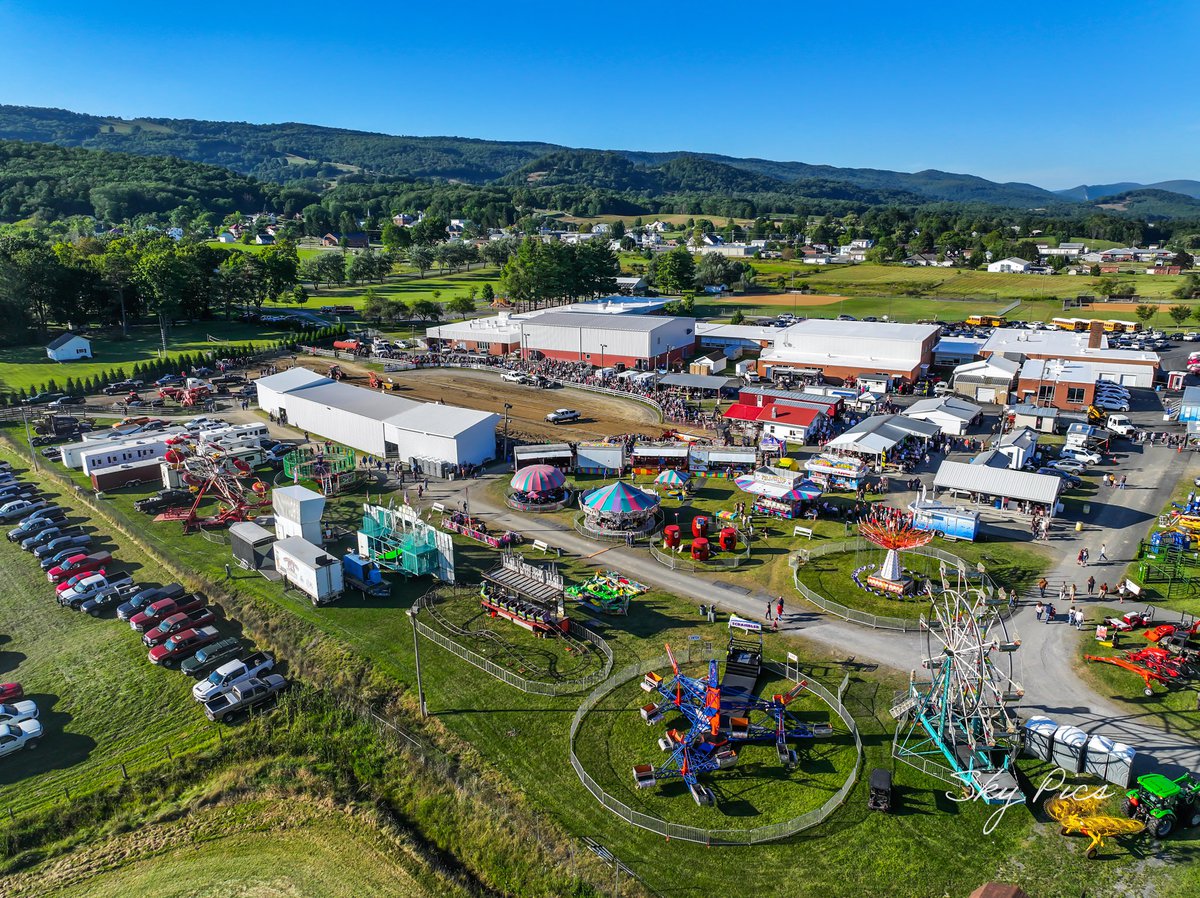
{"points": [[882, 433], [538, 479], [802, 491], [1006, 483], [697, 381], [619, 498], [671, 477]]}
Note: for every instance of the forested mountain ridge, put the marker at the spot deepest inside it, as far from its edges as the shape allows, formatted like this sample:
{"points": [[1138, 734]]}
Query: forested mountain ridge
{"points": [[293, 151]]}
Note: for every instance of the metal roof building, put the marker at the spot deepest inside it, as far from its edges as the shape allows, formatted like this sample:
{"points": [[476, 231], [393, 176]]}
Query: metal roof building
{"points": [[881, 433], [995, 482]]}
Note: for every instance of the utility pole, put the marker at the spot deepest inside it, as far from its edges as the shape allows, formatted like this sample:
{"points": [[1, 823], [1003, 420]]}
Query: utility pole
{"points": [[29, 437], [412, 616], [507, 406]]}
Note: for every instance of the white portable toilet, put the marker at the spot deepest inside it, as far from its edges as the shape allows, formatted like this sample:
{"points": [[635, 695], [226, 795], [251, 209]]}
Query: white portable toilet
{"points": [[1039, 737], [1109, 760], [1070, 744], [298, 512]]}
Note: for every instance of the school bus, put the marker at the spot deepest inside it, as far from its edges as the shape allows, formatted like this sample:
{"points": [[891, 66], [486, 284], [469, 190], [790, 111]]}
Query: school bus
{"points": [[1113, 326], [985, 320], [1078, 325]]}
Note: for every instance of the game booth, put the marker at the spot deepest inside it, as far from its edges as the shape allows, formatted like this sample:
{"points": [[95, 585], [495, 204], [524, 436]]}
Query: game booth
{"points": [[721, 461], [605, 459], [529, 595], [836, 472], [778, 492], [650, 458], [559, 455], [618, 510], [539, 488]]}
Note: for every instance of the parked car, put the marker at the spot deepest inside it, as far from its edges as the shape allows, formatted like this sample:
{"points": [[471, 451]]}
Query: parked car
{"points": [[89, 586], [20, 508], [231, 674], [115, 592], [11, 692], [1111, 403], [162, 609], [15, 712], [67, 401], [16, 736], [562, 416], [42, 398], [1085, 456], [1069, 465], [212, 656], [71, 542], [123, 386], [244, 696], [182, 644], [1065, 476], [148, 595], [164, 499], [174, 624]]}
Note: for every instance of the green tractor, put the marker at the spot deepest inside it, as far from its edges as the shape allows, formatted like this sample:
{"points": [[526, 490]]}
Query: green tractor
{"points": [[1163, 803]]}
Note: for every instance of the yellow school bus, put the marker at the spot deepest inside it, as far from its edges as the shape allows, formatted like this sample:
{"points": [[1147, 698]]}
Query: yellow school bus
{"points": [[985, 320], [1113, 326], [1078, 325]]}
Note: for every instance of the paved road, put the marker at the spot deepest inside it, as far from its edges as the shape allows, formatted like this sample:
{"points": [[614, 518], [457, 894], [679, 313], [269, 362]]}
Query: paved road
{"points": [[1052, 688]]}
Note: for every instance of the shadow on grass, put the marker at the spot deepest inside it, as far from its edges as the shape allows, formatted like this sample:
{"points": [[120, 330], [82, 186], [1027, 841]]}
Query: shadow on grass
{"points": [[57, 749]]}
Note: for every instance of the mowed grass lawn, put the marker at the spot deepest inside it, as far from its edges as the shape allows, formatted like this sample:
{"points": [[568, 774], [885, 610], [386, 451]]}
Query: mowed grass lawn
{"points": [[260, 848], [408, 287], [930, 846], [102, 702], [28, 366]]}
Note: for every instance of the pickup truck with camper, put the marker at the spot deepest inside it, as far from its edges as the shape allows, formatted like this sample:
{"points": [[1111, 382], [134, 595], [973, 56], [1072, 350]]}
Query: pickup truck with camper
{"points": [[232, 673], [244, 696], [148, 596], [211, 657], [16, 736], [562, 416], [182, 644]]}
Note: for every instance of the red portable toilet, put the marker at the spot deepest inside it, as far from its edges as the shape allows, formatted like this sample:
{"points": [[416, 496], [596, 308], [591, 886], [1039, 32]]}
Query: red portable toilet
{"points": [[699, 526], [671, 535], [700, 549], [728, 539]]}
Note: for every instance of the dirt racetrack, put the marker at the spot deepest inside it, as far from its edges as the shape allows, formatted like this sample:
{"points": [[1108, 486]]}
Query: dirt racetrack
{"points": [[600, 415]]}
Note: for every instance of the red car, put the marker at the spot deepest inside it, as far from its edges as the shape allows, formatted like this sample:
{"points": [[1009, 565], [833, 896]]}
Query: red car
{"points": [[11, 692], [74, 579], [162, 609], [174, 624], [56, 573], [180, 644]]}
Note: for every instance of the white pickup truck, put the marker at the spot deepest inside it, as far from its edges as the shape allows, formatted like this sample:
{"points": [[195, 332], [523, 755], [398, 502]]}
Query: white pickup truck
{"points": [[562, 416], [231, 674], [1120, 424]]}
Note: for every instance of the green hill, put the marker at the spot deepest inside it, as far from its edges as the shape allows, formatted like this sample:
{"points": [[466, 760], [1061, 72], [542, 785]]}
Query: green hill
{"points": [[1151, 204]]}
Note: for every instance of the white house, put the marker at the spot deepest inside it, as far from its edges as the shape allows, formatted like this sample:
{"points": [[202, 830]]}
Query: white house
{"points": [[1010, 266], [953, 415], [68, 347], [227, 237]]}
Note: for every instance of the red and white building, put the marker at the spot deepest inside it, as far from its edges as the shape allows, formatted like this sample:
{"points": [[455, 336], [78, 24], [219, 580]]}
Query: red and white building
{"points": [[791, 423]]}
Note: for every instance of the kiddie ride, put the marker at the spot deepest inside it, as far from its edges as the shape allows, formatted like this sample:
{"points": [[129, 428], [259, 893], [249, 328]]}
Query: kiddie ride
{"points": [[608, 592], [721, 717]]}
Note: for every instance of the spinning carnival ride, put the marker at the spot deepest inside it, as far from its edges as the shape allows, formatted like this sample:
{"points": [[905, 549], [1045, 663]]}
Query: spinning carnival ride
{"points": [[721, 717], [230, 480], [959, 727]]}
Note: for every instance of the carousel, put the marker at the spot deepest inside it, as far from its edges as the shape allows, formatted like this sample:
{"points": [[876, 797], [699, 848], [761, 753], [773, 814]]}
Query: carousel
{"points": [[539, 488], [618, 511]]}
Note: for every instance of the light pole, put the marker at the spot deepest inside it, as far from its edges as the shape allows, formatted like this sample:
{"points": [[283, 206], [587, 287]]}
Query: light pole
{"points": [[412, 616], [507, 406], [603, 346], [29, 437]]}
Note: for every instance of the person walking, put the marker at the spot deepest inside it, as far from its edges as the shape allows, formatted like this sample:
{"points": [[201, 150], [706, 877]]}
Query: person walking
{"points": [[768, 610], [1042, 584], [1081, 558], [1087, 556], [779, 608], [1062, 592], [1091, 585], [1072, 592], [1103, 552], [1040, 609], [1103, 591]]}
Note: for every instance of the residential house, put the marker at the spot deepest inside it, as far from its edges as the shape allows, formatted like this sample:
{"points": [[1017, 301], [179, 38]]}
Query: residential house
{"points": [[227, 237], [263, 239], [925, 260]]}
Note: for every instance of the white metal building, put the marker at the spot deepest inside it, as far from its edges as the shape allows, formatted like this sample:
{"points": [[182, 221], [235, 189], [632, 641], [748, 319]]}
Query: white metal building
{"points": [[68, 347], [271, 389], [637, 341], [459, 435], [951, 414], [847, 349]]}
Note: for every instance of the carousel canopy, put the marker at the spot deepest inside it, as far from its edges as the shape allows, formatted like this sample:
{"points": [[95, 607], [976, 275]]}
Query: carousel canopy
{"points": [[619, 498], [538, 479], [671, 477]]}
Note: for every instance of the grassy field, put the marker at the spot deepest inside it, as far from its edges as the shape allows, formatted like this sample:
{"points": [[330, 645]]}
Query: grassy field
{"points": [[102, 703], [27, 366], [258, 848], [409, 288]]}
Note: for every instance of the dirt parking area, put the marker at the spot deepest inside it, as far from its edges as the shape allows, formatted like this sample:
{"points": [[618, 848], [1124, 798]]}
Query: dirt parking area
{"points": [[600, 415]]}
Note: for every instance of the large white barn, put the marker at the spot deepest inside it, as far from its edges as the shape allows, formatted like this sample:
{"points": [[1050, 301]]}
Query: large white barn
{"points": [[377, 423]]}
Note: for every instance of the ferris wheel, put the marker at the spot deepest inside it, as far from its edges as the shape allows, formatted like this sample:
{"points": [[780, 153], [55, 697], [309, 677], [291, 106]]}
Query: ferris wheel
{"points": [[960, 725]]}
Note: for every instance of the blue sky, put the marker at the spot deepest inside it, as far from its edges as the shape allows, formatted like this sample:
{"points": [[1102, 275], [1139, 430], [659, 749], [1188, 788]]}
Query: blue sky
{"points": [[1016, 91]]}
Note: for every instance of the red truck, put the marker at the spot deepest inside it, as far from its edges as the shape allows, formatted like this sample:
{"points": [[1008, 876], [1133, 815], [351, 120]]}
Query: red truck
{"points": [[78, 564], [181, 644], [164, 608], [176, 623]]}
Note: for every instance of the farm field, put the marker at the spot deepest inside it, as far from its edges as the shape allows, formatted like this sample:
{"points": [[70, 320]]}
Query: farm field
{"points": [[408, 287], [524, 738], [28, 366], [102, 703], [288, 847]]}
